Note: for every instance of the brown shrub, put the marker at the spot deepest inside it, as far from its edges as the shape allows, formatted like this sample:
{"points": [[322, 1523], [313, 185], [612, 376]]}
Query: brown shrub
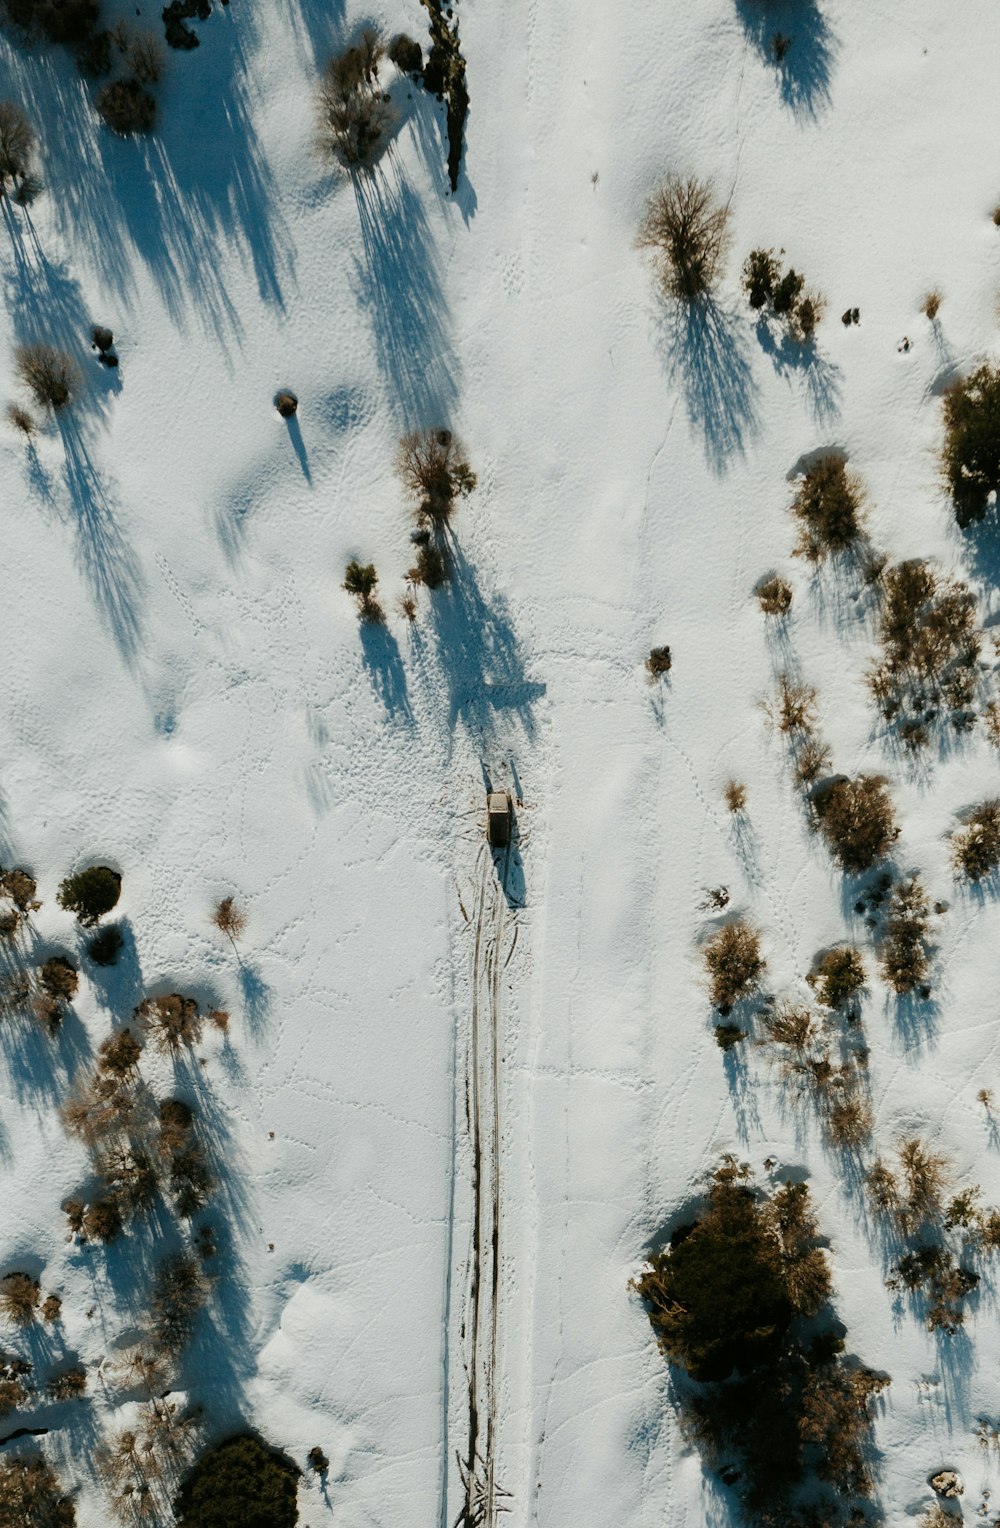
{"points": [[686, 233], [849, 1120], [432, 567], [903, 953], [51, 1308], [356, 115], [126, 108], [230, 919], [21, 420], [69, 1385], [17, 144], [59, 978], [793, 708], [171, 1022], [119, 1055], [828, 506], [857, 820], [179, 1292], [788, 1024], [736, 796], [360, 580], [102, 1221], [931, 305], [50, 375], [975, 847], [144, 58], [98, 1108], [812, 760], [435, 471], [838, 976], [774, 596], [925, 1177], [19, 1297], [31, 1495], [659, 662], [734, 963]]}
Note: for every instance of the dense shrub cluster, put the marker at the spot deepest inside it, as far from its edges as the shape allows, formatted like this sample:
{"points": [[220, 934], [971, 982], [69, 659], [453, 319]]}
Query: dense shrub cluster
{"points": [[857, 820], [971, 453], [356, 113], [734, 963], [975, 846], [828, 1066], [930, 649], [90, 893], [239, 1483], [17, 147], [686, 233], [828, 506], [31, 1496], [49, 374], [737, 1300], [783, 295], [171, 1022], [838, 976], [435, 472], [903, 948]]}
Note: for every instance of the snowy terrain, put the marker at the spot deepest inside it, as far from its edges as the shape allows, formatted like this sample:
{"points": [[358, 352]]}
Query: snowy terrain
{"points": [[188, 696]]}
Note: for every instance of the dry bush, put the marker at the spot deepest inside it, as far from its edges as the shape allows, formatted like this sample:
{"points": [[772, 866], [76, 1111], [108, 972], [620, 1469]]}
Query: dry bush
{"points": [[805, 316], [686, 232], [736, 796], [812, 760], [432, 567], [51, 1308], [857, 820], [903, 952], [849, 1120], [59, 978], [734, 963], [975, 847], [190, 1179], [171, 1022], [838, 976], [17, 144], [774, 596], [144, 57], [360, 580], [659, 662], [356, 114], [19, 419], [828, 505], [435, 471], [728, 1035], [991, 722], [69, 1385], [119, 1055], [407, 606], [927, 627], [142, 1368], [789, 1024], [936, 1516], [13, 1393], [19, 1297], [882, 1188], [31, 1495], [129, 1178], [971, 455], [219, 1019], [99, 1107], [230, 919], [126, 108], [836, 1418], [931, 305], [49, 374], [179, 1292], [925, 1177], [761, 274], [793, 707]]}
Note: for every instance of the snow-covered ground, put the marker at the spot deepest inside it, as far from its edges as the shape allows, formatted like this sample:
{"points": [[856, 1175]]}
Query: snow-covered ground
{"points": [[187, 695]]}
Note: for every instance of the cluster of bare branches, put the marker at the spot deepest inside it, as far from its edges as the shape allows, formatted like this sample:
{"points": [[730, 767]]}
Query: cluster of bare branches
{"points": [[356, 113]]}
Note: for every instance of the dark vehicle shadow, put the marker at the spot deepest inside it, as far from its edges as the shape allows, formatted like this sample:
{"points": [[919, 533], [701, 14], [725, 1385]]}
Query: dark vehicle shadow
{"points": [[480, 656], [806, 62], [705, 351], [399, 282], [381, 657]]}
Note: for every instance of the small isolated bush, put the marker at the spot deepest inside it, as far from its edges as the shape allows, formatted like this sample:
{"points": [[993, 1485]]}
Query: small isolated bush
{"points": [[240, 1483], [435, 472], [90, 894], [838, 976], [793, 709], [356, 114], [828, 506], [903, 951], [774, 596], [659, 662], [19, 419], [229, 919], [171, 1022], [51, 1308], [105, 947], [857, 820], [19, 1297], [761, 274], [686, 232], [49, 374], [432, 567], [406, 54], [849, 1120], [360, 580], [17, 144], [728, 1035], [975, 848], [736, 796], [59, 978], [126, 108], [69, 1385], [407, 605], [31, 1496], [13, 1391], [931, 305], [971, 456], [788, 1024], [734, 963], [144, 58]]}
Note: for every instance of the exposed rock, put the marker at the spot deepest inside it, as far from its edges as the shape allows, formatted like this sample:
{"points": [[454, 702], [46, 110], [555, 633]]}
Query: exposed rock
{"points": [[947, 1483]]}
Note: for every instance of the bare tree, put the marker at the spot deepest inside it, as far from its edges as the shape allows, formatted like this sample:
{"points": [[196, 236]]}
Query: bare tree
{"points": [[686, 233], [50, 375], [17, 144], [356, 113]]}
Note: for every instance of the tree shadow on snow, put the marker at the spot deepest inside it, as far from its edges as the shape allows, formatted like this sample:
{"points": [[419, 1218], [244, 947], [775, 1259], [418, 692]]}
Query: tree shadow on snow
{"points": [[480, 656], [804, 71], [399, 282], [705, 352], [381, 657], [820, 376], [256, 996]]}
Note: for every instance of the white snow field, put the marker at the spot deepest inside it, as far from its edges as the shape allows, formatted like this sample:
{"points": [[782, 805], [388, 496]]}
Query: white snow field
{"points": [[187, 695]]}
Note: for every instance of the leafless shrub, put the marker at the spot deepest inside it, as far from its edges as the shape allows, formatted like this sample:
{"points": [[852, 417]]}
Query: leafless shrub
{"points": [[98, 1108], [179, 1292], [19, 1297], [849, 1120], [31, 1495], [102, 1220], [975, 847], [219, 1019], [59, 978], [935, 1516], [774, 596], [407, 606], [49, 374], [126, 108], [903, 952], [828, 505], [788, 1024], [931, 305], [17, 145], [927, 628], [69, 1385], [19, 419], [142, 1368], [857, 820], [230, 919], [129, 1177], [882, 1188], [435, 471], [736, 796], [144, 57], [836, 1418], [793, 707], [171, 1022], [13, 1393], [686, 232], [734, 963], [356, 114], [925, 1176], [432, 567], [659, 662], [838, 976], [119, 1055], [51, 1308], [812, 760]]}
